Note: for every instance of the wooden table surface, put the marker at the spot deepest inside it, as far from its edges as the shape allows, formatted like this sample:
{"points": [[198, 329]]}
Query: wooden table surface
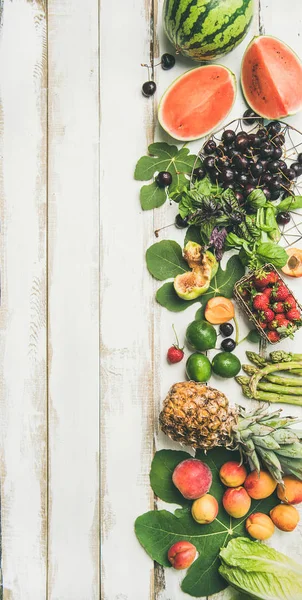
{"points": [[83, 343]]}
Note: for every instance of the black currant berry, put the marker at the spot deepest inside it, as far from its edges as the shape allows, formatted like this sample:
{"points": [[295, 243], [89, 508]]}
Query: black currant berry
{"points": [[279, 140], [214, 174], [227, 175], [228, 136], [226, 329], [289, 174], [297, 167], [228, 345], [256, 169], [240, 162], [209, 162], [167, 61], [275, 194], [220, 151], [249, 188], [250, 117], [266, 150], [277, 153], [283, 218], [199, 173], [266, 178], [209, 147], [273, 166], [180, 223], [242, 179], [242, 141], [273, 128], [163, 179], [149, 88]]}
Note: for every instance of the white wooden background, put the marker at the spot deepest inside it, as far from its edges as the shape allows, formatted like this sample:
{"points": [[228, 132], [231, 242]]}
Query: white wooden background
{"points": [[83, 344]]}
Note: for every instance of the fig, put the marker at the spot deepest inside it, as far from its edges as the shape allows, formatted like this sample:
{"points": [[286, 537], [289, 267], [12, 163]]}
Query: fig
{"points": [[192, 284]]}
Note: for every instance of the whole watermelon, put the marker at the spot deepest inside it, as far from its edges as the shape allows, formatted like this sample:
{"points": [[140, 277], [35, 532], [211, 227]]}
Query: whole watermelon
{"points": [[206, 29]]}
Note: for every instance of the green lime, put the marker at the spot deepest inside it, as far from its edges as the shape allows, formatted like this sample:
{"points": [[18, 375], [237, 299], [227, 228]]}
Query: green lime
{"points": [[198, 367], [201, 335], [226, 364]]}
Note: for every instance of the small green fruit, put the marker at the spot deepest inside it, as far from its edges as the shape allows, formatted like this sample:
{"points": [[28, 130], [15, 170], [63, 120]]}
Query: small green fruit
{"points": [[226, 364], [198, 367], [201, 335]]}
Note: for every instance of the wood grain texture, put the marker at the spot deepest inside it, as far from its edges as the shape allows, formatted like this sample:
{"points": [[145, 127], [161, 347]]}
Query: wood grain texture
{"points": [[73, 343], [23, 382]]}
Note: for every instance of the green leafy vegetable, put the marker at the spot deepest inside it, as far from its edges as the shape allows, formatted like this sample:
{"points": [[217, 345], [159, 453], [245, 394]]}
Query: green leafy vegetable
{"points": [[165, 260], [164, 157], [260, 571], [290, 203], [270, 252], [257, 198], [253, 336], [157, 531], [221, 285], [193, 235]]}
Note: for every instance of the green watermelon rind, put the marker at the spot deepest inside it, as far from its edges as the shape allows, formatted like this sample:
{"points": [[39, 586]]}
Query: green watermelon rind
{"points": [[191, 41], [233, 80], [246, 95]]}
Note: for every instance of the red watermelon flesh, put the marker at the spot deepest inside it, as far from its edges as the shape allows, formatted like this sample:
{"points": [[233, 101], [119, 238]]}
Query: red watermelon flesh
{"points": [[197, 102], [271, 78]]}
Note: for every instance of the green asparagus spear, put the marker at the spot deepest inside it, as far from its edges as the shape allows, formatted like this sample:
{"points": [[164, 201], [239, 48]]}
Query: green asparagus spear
{"points": [[256, 359], [270, 369], [271, 397], [280, 389], [282, 356], [278, 379]]}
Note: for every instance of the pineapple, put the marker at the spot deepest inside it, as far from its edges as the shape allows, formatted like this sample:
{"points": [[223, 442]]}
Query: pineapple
{"points": [[197, 415]]}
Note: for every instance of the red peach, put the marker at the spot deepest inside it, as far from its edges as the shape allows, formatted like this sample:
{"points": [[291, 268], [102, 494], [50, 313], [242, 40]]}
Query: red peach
{"points": [[205, 509], [182, 554], [285, 517], [260, 485], [192, 478], [291, 491], [236, 502], [232, 474], [259, 526]]}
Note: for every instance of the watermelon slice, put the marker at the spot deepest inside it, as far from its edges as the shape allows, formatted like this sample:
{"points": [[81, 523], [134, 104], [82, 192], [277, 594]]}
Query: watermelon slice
{"points": [[271, 78], [197, 102]]}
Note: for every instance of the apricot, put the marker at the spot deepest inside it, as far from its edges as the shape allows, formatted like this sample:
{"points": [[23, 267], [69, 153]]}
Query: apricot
{"points": [[182, 554], [232, 474], [260, 485], [193, 478], [260, 526], [285, 517], [291, 491], [236, 502], [205, 509], [219, 310], [293, 267]]}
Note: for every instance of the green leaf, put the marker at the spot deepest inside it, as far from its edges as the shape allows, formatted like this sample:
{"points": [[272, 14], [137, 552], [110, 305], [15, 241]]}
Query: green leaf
{"points": [[290, 203], [260, 571], [193, 235], [157, 531], [167, 297], [165, 157], [165, 260], [152, 196], [269, 252], [163, 465], [254, 337]]}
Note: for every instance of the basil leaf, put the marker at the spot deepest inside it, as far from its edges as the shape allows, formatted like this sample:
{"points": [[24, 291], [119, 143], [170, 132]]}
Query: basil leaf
{"points": [[256, 199], [193, 235], [271, 253], [290, 203], [254, 337]]}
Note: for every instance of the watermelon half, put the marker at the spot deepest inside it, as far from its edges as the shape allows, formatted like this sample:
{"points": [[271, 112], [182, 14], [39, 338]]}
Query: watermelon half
{"points": [[271, 78], [197, 102]]}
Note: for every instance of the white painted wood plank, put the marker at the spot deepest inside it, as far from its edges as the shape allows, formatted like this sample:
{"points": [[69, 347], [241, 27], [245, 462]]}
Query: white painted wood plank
{"points": [[23, 401], [73, 301], [127, 302]]}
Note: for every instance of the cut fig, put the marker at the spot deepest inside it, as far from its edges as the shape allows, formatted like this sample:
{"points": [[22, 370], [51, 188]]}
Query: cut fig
{"points": [[193, 284]]}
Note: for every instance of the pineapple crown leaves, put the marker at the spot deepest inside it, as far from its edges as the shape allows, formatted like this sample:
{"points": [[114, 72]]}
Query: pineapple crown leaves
{"points": [[157, 531]]}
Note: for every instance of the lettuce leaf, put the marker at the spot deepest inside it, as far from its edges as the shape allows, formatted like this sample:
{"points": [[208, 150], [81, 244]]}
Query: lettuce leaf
{"points": [[260, 571]]}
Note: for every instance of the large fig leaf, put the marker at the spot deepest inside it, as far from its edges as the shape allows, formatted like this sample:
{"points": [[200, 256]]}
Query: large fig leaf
{"points": [[157, 531], [165, 260]]}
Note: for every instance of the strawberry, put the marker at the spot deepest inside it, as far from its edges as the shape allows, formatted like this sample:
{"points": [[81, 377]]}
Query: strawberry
{"points": [[294, 315], [262, 324], [175, 355], [289, 303], [280, 292], [267, 292], [267, 315], [264, 278], [273, 336], [260, 302], [273, 325], [282, 320], [278, 307]]}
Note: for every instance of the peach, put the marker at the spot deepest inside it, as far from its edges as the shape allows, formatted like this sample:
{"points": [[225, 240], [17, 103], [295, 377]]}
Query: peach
{"points": [[291, 491], [260, 485], [285, 517], [259, 526], [182, 554], [236, 502], [232, 474], [205, 509], [192, 478]]}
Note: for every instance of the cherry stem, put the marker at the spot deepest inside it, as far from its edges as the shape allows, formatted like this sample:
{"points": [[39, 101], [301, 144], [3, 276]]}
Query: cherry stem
{"points": [[156, 232], [177, 341], [236, 330]]}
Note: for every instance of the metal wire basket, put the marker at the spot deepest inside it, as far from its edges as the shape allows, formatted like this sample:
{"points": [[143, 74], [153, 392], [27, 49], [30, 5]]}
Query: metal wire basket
{"points": [[246, 309], [292, 232]]}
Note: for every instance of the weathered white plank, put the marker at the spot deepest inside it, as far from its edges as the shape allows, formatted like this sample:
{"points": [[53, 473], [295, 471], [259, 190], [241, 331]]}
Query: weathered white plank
{"points": [[73, 300], [23, 402], [127, 303]]}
